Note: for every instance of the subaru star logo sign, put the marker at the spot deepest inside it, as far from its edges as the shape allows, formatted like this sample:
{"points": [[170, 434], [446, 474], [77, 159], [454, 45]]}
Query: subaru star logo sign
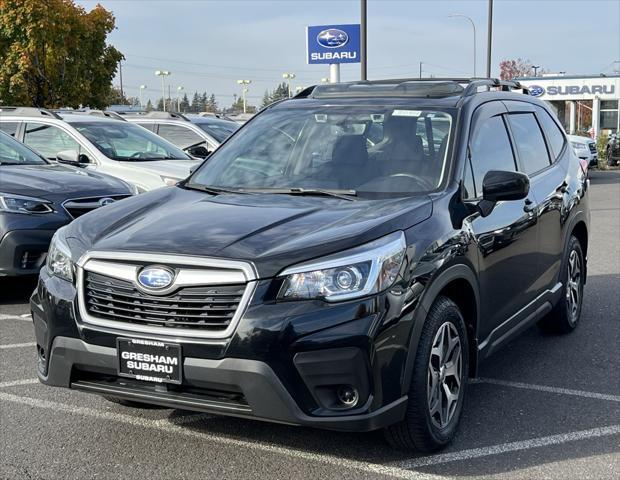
{"points": [[536, 90], [333, 44], [332, 38], [155, 278], [106, 201]]}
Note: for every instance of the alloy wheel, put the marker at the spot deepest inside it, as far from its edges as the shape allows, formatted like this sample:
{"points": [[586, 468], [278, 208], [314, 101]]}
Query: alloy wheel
{"points": [[445, 366], [573, 286]]}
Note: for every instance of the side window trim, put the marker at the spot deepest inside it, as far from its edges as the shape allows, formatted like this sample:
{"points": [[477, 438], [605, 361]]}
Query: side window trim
{"points": [[555, 157]]}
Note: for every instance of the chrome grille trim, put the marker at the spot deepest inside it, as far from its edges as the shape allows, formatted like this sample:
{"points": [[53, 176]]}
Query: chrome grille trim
{"points": [[125, 266]]}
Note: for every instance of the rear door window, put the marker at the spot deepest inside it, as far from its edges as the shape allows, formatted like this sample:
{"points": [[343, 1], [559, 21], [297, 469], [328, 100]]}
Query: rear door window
{"points": [[530, 142], [181, 136], [555, 136], [48, 140]]}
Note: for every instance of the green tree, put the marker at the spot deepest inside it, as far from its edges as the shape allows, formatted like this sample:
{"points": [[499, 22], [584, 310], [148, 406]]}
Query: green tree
{"points": [[53, 53], [149, 106], [160, 104], [195, 103], [185, 103]]}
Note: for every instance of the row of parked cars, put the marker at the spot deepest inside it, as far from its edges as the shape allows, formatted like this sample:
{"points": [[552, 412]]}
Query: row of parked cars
{"points": [[57, 165]]}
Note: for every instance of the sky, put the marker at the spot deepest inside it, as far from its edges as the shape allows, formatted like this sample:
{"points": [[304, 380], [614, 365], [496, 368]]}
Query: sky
{"points": [[210, 44]]}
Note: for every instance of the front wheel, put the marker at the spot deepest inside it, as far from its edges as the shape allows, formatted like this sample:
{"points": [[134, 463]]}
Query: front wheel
{"points": [[438, 382]]}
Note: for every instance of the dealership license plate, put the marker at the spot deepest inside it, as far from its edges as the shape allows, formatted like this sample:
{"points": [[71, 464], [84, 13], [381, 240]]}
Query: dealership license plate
{"points": [[149, 360]]}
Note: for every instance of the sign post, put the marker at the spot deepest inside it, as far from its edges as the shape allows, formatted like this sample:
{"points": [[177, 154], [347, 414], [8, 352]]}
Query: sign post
{"points": [[333, 45]]}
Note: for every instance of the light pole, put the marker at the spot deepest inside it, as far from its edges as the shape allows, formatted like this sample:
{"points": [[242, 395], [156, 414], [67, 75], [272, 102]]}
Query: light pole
{"points": [[489, 37], [288, 77], [535, 67], [363, 40], [163, 74], [179, 90], [452, 15], [244, 90], [142, 87]]}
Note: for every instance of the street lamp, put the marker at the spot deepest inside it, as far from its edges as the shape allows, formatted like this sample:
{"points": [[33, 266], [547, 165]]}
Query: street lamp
{"points": [[142, 87], [163, 74], [244, 90], [179, 90], [288, 77], [535, 67], [452, 15]]}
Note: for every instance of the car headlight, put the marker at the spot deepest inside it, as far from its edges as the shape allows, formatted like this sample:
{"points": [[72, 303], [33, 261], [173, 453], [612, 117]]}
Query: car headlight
{"points": [[59, 257], [361, 271], [21, 204], [170, 181]]}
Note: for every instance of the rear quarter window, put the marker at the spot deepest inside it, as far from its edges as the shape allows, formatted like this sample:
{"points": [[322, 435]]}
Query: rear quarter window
{"points": [[555, 136]]}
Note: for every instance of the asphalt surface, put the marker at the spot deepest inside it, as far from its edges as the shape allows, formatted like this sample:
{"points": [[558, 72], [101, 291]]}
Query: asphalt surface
{"points": [[544, 407]]}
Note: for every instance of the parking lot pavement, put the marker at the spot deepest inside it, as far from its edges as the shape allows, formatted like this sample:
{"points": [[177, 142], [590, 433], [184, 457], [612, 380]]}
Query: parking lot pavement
{"points": [[544, 407]]}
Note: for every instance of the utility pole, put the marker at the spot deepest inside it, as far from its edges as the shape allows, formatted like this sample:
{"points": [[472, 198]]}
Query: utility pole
{"points": [[169, 98], [142, 87], [363, 40], [163, 74], [452, 15], [489, 37], [179, 90], [244, 90], [420, 69]]}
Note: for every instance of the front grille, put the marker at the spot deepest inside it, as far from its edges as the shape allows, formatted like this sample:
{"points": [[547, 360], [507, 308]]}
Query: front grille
{"points": [[209, 308], [79, 206], [592, 147]]}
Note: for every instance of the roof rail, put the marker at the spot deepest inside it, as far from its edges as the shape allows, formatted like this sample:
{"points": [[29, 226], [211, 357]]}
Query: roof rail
{"points": [[29, 112], [410, 87], [168, 115], [96, 112], [504, 85]]}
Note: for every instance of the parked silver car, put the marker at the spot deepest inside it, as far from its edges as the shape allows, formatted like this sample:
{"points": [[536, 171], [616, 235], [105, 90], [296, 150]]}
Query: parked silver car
{"points": [[99, 141]]}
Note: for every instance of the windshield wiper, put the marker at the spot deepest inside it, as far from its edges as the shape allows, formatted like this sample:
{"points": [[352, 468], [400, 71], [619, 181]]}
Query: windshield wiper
{"points": [[210, 189], [342, 194]]}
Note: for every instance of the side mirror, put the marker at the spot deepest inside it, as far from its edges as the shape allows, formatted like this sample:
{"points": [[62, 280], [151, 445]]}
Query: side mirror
{"points": [[72, 157], [199, 151], [500, 185]]}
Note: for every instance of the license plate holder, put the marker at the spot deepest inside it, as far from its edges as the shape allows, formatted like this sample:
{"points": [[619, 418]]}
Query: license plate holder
{"points": [[149, 360]]}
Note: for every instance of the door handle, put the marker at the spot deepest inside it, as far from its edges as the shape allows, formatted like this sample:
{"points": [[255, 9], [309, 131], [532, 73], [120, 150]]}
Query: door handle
{"points": [[529, 206]]}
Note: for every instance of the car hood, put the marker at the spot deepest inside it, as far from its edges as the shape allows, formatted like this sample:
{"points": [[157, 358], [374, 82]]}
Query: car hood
{"points": [[272, 231], [169, 168], [57, 182]]}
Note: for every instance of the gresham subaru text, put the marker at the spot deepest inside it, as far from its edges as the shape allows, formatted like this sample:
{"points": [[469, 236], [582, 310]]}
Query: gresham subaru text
{"points": [[344, 261]]}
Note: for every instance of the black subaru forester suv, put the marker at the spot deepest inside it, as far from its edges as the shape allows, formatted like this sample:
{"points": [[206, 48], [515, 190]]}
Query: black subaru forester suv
{"points": [[344, 261]]}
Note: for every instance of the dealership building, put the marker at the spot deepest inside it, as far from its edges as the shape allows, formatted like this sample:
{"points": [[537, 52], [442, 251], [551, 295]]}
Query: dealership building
{"points": [[582, 103]]}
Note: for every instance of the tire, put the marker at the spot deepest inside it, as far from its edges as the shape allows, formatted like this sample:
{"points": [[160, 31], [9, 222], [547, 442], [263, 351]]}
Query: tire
{"points": [[133, 404], [564, 317], [422, 430]]}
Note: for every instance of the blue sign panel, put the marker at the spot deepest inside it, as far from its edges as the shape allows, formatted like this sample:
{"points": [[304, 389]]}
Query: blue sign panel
{"points": [[333, 44]]}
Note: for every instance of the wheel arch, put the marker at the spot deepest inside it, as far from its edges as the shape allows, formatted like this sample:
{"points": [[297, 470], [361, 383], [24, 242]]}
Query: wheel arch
{"points": [[459, 283]]}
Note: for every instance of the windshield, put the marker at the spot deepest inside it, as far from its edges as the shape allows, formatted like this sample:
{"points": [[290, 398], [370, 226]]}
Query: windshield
{"points": [[125, 141], [14, 153], [370, 151], [219, 130]]}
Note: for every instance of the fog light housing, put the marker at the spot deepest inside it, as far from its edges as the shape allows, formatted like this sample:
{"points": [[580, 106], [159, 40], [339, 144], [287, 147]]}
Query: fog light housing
{"points": [[348, 396]]}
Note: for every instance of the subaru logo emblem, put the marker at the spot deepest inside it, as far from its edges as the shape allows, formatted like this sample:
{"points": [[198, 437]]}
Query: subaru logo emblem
{"points": [[536, 91], [155, 277], [332, 38], [106, 201]]}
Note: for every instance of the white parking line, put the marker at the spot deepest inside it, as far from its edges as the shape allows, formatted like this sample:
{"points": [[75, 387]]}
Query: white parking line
{"points": [[544, 388], [508, 447], [15, 383], [24, 318], [169, 427], [17, 345]]}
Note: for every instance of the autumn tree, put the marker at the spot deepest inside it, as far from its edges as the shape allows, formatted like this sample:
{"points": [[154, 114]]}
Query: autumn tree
{"points": [[509, 69], [53, 53]]}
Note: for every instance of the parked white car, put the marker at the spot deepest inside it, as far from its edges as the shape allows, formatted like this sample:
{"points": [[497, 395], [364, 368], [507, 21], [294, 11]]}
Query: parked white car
{"points": [[585, 149], [102, 142]]}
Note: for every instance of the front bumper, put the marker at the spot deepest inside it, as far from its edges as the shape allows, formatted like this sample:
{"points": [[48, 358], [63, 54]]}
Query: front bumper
{"points": [[23, 252], [253, 388], [284, 363]]}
